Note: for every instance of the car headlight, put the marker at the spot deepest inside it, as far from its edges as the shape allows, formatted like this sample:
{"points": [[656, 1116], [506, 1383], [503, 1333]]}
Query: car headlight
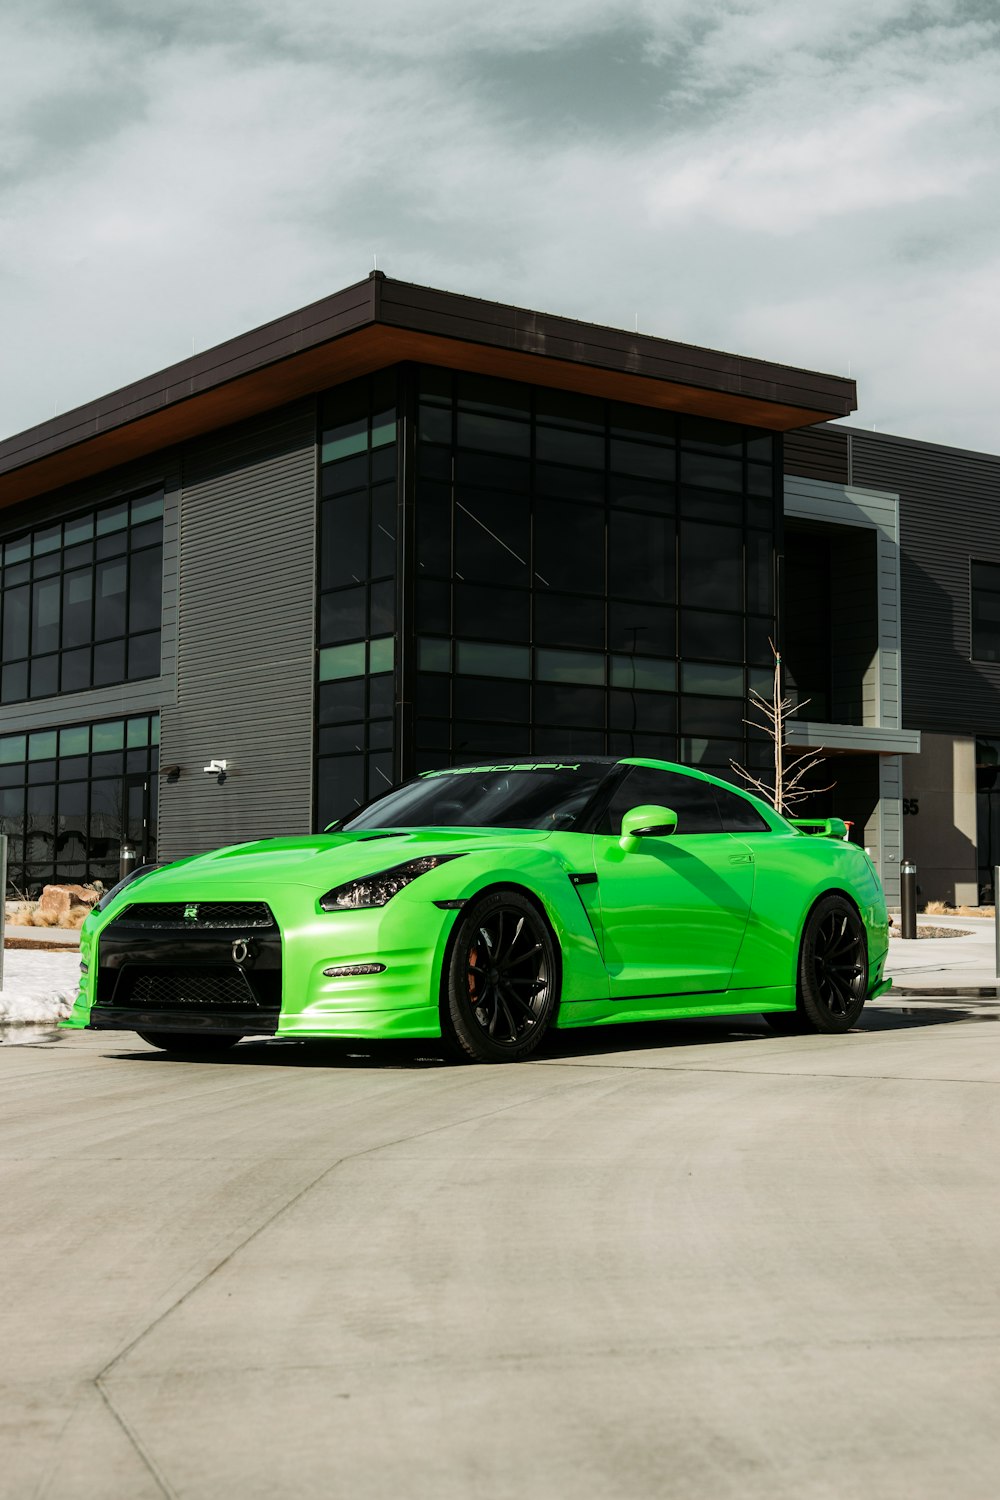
{"points": [[376, 890], [116, 890]]}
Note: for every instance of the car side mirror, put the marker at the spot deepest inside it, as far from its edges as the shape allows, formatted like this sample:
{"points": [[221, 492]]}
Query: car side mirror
{"points": [[646, 822]]}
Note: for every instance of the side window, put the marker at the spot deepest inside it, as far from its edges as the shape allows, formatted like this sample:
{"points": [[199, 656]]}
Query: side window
{"points": [[693, 801], [739, 815]]}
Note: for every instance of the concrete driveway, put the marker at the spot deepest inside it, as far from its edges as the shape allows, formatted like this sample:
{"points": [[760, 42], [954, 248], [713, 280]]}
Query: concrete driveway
{"points": [[690, 1261]]}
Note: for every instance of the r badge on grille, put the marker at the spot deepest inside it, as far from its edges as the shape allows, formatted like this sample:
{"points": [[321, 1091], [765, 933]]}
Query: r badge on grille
{"points": [[191, 913]]}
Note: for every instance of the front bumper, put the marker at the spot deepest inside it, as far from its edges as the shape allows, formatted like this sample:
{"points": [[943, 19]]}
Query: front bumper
{"points": [[219, 976], [141, 978]]}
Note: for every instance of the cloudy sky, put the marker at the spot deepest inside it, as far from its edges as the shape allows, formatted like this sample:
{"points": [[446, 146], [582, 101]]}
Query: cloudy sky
{"points": [[812, 183]]}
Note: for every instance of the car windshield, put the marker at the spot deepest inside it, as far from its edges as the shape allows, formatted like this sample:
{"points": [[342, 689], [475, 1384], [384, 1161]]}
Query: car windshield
{"points": [[533, 795]]}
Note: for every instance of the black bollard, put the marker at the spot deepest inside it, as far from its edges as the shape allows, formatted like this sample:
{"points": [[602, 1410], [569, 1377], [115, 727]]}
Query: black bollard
{"points": [[908, 898], [127, 860]]}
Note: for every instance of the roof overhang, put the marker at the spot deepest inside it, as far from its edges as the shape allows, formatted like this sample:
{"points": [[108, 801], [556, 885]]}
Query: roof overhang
{"points": [[852, 739], [379, 322]]}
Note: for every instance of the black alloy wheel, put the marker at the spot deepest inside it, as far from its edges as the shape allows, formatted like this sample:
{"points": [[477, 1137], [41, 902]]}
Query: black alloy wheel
{"points": [[833, 971], [190, 1043], [501, 982]]}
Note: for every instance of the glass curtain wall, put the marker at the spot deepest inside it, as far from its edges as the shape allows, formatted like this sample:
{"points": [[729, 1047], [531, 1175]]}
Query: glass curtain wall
{"points": [[81, 601], [589, 576], [357, 594], [70, 797]]}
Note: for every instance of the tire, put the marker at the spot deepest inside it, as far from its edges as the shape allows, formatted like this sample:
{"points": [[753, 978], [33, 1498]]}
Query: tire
{"points": [[189, 1043], [833, 967], [499, 1010]]}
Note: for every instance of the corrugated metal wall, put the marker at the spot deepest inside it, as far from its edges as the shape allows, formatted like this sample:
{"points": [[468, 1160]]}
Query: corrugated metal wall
{"points": [[245, 637], [949, 512], [818, 453], [886, 836]]}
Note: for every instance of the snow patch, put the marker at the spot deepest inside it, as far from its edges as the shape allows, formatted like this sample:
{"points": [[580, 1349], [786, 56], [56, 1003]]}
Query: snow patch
{"points": [[38, 987]]}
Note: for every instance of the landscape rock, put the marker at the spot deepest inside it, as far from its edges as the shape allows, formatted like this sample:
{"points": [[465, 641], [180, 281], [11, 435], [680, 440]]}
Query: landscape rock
{"points": [[65, 905]]}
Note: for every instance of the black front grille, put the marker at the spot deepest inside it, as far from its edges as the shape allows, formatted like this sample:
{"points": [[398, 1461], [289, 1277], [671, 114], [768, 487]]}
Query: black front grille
{"points": [[176, 989], [195, 915], [164, 966]]}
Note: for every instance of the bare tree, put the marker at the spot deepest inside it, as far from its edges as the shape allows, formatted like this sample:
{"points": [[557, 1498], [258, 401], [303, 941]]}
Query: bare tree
{"points": [[786, 790]]}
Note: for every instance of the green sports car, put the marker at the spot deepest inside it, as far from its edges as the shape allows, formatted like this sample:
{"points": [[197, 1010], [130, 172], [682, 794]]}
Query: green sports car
{"points": [[484, 904]]}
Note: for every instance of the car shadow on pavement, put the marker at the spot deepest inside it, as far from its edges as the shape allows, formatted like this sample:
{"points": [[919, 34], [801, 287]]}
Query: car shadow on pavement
{"points": [[272, 1052]]}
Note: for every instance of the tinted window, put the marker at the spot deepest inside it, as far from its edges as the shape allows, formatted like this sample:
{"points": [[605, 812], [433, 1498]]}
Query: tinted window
{"points": [[693, 801], [569, 547], [561, 620], [641, 554], [712, 565], [491, 538], [497, 614], [739, 815]]}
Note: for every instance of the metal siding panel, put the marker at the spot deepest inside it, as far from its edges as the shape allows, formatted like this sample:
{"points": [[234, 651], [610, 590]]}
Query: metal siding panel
{"points": [[948, 514], [890, 820], [246, 637], [818, 453], [80, 708]]}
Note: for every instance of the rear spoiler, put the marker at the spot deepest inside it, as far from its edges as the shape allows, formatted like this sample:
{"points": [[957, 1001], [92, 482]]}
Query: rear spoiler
{"points": [[823, 828]]}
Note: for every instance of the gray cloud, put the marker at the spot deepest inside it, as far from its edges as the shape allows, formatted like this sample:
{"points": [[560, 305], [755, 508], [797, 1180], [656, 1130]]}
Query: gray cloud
{"points": [[816, 185], [606, 84]]}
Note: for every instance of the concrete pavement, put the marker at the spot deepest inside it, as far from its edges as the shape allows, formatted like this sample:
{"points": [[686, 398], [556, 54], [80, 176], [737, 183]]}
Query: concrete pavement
{"points": [[63, 937], [935, 964], [689, 1260]]}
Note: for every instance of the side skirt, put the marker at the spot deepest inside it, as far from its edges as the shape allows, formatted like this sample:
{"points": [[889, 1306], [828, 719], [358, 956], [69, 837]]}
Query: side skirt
{"points": [[669, 1007]]}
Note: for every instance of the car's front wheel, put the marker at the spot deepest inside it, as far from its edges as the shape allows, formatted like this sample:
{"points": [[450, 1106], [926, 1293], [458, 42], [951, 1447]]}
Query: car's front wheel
{"points": [[189, 1043], [500, 988]]}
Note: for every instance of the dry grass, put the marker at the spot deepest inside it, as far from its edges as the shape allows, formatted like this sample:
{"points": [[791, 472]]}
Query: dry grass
{"points": [[26, 914]]}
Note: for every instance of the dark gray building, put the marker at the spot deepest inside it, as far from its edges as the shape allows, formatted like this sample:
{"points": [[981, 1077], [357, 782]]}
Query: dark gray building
{"points": [[394, 529], [946, 503]]}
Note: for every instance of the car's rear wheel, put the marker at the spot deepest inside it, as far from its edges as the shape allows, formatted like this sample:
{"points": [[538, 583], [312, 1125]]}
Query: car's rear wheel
{"points": [[833, 970], [189, 1043], [500, 987]]}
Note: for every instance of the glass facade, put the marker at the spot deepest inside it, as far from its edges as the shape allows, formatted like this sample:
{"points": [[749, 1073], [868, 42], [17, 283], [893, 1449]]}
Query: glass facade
{"points": [[589, 577], [69, 798], [552, 573], [80, 601], [356, 629], [542, 572]]}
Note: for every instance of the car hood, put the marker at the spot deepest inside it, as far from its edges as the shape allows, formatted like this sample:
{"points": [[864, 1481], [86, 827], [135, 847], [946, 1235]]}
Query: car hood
{"points": [[322, 860]]}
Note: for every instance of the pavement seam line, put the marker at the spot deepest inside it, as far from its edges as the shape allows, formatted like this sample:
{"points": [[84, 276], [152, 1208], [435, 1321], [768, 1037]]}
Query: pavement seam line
{"points": [[283, 1208], [775, 1073], [159, 1479]]}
